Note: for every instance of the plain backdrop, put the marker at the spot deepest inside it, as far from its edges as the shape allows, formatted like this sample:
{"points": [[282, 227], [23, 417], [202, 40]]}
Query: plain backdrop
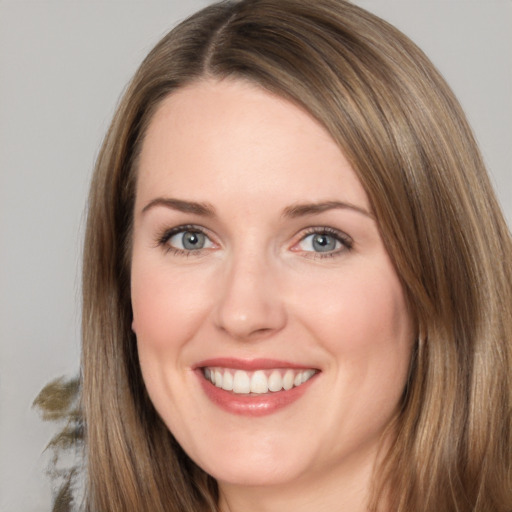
{"points": [[63, 65]]}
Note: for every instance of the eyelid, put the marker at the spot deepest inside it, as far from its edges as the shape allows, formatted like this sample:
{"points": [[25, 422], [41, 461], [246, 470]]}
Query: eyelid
{"points": [[165, 235], [345, 240]]}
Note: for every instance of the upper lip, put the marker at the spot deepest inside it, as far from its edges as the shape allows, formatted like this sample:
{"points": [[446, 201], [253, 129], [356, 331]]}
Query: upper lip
{"points": [[249, 364]]}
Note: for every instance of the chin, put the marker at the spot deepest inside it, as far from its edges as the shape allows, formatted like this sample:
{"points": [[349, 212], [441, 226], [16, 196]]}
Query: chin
{"points": [[255, 468], [254, 475]]}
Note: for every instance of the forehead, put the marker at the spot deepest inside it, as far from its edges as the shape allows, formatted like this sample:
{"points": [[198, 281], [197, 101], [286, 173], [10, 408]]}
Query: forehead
{"points": [[231, 137]]}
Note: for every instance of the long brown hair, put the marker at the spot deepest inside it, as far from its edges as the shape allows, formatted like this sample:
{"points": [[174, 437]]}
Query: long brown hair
{"points": [[407, 138]]}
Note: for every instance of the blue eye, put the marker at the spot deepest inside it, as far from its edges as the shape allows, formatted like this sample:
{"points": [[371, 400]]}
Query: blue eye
{"points": [[320, 242], [187, 240], [326, 241]]}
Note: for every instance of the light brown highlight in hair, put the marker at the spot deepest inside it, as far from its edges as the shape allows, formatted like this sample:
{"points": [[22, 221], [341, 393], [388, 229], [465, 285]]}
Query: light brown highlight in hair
{"points": [[406, 137]]}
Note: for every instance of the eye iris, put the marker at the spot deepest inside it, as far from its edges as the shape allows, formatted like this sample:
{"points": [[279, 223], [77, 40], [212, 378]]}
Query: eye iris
{"points": [[324, 243], [192, 240]]}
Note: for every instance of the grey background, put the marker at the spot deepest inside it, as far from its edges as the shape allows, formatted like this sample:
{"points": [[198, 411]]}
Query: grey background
{"points": [[63, 66]]}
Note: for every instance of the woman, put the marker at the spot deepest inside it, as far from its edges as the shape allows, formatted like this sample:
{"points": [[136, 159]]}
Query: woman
{"points": [[297, 284]]}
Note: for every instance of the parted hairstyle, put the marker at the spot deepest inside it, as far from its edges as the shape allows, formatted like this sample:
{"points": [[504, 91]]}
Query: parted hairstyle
{"points": [[407, 139]]}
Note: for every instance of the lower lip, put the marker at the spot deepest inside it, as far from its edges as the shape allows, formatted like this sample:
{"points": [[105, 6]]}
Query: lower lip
{"points": [[252, 405]]}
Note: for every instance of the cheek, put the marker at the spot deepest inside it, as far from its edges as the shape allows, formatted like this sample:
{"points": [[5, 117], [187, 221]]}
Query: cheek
{"points": [[366, 328], [377, 312], [167, 306], [361, 317]]}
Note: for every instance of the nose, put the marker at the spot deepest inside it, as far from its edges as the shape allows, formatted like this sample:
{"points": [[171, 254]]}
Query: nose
{"points": [[250, 305]]}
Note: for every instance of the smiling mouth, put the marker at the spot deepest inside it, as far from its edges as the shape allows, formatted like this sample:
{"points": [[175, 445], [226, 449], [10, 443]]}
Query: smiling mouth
{"points": [[257, 382]]}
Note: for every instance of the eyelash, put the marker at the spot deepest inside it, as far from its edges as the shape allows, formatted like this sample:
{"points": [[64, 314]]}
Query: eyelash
{"points": [[346, 241], [339, 236], [163, 239]]}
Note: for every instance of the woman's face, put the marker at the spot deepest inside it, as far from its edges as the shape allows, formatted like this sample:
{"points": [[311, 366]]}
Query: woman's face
{"points": [[258, 265]]}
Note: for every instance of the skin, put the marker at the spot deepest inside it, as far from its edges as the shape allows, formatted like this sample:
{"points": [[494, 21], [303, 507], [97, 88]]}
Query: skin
{"points": [[260, 289]]}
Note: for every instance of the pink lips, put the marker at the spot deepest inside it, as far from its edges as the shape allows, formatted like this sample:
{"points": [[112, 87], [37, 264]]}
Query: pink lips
{"points": [[250, 405]]}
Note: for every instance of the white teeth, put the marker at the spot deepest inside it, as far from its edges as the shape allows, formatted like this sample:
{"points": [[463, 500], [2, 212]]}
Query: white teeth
{"points": [[275, 381], [307, 375], [257, 382], [227, 381], [241, 382], [218, 378], [288, 380]]}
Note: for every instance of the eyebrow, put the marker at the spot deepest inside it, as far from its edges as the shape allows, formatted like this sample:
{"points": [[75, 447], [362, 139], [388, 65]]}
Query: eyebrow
{"points": [[300, 210], [203, 209], [293, 211]]}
